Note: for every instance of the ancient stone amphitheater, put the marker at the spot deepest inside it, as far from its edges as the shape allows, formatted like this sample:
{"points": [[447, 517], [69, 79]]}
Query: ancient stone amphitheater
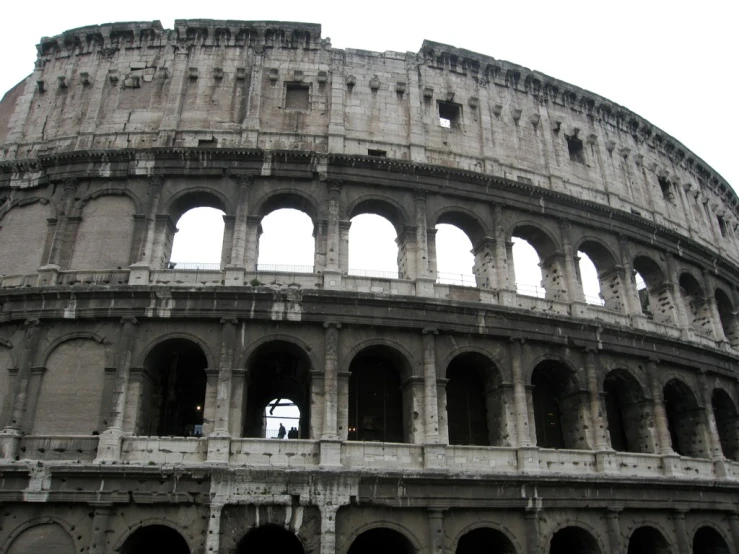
{"points": [[435, 418]]}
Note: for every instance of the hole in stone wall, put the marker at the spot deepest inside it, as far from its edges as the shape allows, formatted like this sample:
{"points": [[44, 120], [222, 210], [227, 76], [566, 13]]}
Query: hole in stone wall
{"points": [[647, 540], [708, 541], [449, 115], [373, 250], [297, 96], [287, 243], [576, 150], [270, 538], [626, 413], [528, 271], [199, 240], [454, 258], [722, 225], [381, 540], [666, 188], [153, 539], [589, 280], [495, 542], [377, 153], [282, 412]]}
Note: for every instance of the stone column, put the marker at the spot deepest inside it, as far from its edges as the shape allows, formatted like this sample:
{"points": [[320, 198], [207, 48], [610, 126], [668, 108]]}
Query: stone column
{"points": [[172, 110], [670, 459], [239, 389], [238, 244], [486, 274], [336, 130], [533, 541], [253, 232], [682, 317], [109, 447], [436, 531], [505, 280], [430, 406], [344, 227], [431, 244], [413, 402], [11, 435], [681, 532], [714, 441], [601, 440], [330, 443], [332, 273], [213, 538], [424, 282], [523, 434], [250, 126], [140, 270], [734, 524], [59, 244], [328, 528], [209, 405], [574, 287], [614, 531], [219, 438], [100, 518], [631, 295], [131, 417], [342, 381], [709, 298], [442, 410]]}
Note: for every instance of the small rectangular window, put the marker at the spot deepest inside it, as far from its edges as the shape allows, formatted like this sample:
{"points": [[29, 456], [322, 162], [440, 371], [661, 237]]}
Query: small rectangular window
{"points": [[377, 153], [665, 187], [722, 225], [576, 149], [297, 96], [449, 115]]}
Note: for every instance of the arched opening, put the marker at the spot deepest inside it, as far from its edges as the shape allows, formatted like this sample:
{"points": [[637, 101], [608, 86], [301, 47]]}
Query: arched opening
{"points": [[376, 400], [381, 539], [588, 277], [685, 420], [727, 423], [558, 407], [270, 538], [104, 234], [455, 262], [573, 540], [726, 313], [154, 539], [696, 307], [648, 540], [628, 413], [282, 419], [485, 541], [708, 541], [475, 401], [373, 248], [649, 280], [287, 243], [173, 396], [197, 240], [535, 264], [277, 370], [45, 537], [23, 233]]}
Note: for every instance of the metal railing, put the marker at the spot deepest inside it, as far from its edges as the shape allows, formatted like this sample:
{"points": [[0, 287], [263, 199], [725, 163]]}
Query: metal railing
{"points": [[373, 273], [460, 279], [595, 300], [530, 290], [279, 268], [197, 266]]}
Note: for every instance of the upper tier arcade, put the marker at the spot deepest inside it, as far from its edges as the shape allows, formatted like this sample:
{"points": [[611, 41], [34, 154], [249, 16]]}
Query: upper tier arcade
{"points": [[277, 86]]}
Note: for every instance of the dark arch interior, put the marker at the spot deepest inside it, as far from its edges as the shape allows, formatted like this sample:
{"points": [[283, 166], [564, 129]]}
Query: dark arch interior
{"points": [[474, 402], [708, 541], [174, 397], [653, 277], [155, 539], [289, 201], [375, 396], [727, 423], [381, 208], [625, 411], [277, 370], [602, 259], [573, 540], [382, 540], [647, 540], [537, 238], [269, 538], [465, 223], [485, 541], [194, 199], [555, 413], [726, 314], [683, 419]]}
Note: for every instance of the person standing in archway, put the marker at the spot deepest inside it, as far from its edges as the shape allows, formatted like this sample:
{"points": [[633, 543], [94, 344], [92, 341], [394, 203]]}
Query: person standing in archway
{"points": [[281, 433]]}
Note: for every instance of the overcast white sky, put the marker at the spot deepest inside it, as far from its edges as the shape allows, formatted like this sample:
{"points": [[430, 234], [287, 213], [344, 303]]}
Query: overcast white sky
{"points": [[673, 63]]}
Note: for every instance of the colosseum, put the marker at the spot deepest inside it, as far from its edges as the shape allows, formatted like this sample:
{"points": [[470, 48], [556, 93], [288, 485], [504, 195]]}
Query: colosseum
{"points": [[435, 417]]}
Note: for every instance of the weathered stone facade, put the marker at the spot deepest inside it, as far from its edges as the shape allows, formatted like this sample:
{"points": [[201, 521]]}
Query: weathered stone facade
{"points": [[505, 422]]}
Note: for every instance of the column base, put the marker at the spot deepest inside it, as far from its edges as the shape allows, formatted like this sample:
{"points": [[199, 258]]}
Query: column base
{"points": [[507, 298], [332, 279], [48, 275], [719, 468], [10, 440], [139, 273], [605, 461], [219, 448], [234, 276], [578, 309], [330, 453], [528, 459], [425, 287], [109, 446], [434, 456], [671, 465]]}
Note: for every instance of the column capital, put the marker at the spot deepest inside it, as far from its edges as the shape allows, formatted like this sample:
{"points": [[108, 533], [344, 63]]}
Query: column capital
{"points": [[231, 320], [129, 320], [156, 180], [334, 185], [32, 322], [429, 331], [516, 339], [419, 195], [244, 179], [331, 325]]}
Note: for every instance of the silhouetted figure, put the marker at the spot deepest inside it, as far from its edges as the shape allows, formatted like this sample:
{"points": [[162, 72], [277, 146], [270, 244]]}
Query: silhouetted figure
{"points": [[281, 432], [293, 434]]}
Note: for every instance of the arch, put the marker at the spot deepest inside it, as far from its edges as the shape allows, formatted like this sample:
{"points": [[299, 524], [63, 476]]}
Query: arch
{"points": [[71, 393], [290, 199], [707, 540], [153, 538], [727, 423], [550, 263], [696, 307], [537, 236], [574, 539], [727, 316], [493, 526], [379, 537], [495, 360], [71, 336], [146, 522], [302, 250], [27, 202], [383, 206], [599, 252], [462, 218], [610, 287], [475, 401], [270, 538], [23, 237], [380, 408], [45, 534], [112, 191], [144, 353], [684, 419], [628, 414], [196, 197], [173, 396], [648, 540], [105, 234], [491, 540], [307, 350], [560, 409], [653, 277], [409, 365], [277, 369]]}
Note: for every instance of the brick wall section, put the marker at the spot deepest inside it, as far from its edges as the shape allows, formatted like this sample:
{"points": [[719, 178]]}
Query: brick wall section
{"points": [[23, 234], [104, 234]]}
